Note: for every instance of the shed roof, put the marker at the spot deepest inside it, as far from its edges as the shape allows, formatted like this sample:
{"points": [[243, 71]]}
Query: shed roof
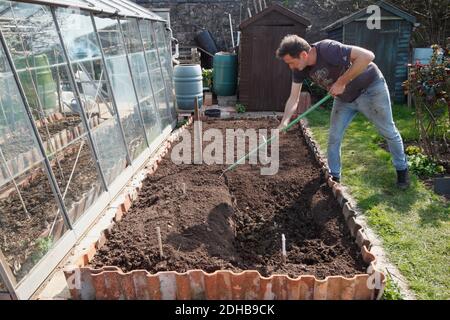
{"points": [[277, 8], [386, 6]]}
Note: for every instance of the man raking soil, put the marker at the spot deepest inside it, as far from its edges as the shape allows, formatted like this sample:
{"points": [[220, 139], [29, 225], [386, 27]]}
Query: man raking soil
{"points": [[357, 85]]}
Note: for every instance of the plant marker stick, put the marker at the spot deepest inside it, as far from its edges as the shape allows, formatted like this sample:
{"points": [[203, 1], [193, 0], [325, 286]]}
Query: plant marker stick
{"points": [[283, 248], [198, 145], [292, 123], [158, 232]]}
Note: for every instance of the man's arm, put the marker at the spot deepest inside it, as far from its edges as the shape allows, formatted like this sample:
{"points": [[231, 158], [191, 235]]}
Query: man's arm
{"points": [[291, 104], [360, 59]]}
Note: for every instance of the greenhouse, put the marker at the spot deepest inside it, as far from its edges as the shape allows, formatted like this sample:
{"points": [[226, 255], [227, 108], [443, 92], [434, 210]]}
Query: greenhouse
{"points": [[86, 97]]}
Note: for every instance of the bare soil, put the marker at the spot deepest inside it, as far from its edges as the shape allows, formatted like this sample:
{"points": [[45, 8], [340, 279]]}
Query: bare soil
{"points": [[235, 222]]}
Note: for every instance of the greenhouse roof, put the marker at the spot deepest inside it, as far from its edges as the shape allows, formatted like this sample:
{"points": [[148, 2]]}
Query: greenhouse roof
{"points": [[120, 8]]}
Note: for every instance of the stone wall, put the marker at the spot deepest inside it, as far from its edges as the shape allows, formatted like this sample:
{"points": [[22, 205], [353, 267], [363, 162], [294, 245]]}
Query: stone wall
{"points": [[190, 16]]}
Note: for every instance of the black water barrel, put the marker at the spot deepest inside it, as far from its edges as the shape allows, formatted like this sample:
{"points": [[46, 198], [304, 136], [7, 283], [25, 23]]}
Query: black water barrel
{"points": [[205, 41]]}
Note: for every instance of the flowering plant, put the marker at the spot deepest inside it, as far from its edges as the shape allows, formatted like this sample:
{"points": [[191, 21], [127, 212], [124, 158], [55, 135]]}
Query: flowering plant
{"points": [[429, 85]]}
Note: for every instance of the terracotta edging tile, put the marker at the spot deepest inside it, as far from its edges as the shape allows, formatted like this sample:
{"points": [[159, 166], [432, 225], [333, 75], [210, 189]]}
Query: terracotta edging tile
{"points": [[356, 230], [111, 282]]}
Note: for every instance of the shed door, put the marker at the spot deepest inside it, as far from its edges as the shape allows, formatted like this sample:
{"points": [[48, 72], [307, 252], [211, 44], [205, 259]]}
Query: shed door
{"points": [[383, 42], [271, 77]]}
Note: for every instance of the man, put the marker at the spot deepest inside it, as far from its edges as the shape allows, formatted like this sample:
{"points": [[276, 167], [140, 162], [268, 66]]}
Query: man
{"points": [[356, 84]]}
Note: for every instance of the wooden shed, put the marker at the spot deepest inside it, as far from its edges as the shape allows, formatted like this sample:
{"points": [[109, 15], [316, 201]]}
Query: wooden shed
{"points": [[390, 43], [264, 80]]}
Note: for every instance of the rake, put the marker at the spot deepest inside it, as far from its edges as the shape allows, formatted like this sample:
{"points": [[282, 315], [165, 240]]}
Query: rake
{"points": [[268, 141]]}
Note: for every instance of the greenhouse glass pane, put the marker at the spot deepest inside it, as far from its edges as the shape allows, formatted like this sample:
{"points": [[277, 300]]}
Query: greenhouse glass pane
{"points": [[111, 6], [166, 62], [40, 62], [141, 78], [137, 8], [85, 57], [99, 4], [77, 178], [23, 26], [18, 143], [155, 72], [121, 83], [124, 10], [30, 222]]}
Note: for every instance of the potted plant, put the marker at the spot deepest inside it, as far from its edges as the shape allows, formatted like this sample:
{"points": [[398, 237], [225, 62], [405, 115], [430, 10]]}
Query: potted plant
{"points": [[207, 75]]}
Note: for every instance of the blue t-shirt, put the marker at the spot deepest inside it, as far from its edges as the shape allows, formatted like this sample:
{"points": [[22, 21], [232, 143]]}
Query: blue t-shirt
{"points": [[333, 59]]}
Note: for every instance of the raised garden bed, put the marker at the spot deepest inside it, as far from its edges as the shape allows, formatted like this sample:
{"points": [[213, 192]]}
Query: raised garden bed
{"points": [[220, 234], [58, 125]]}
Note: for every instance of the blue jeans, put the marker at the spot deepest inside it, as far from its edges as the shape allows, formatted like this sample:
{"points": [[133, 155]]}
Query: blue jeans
{"points": [[374, 102]]}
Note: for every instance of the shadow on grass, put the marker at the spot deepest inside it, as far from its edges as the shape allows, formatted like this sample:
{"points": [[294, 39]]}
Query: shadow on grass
{"points": [[376, 181], [385, 191], [434, 215]]}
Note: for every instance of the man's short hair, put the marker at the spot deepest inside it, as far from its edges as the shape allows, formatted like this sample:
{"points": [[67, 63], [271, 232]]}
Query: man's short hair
{"points": [[292, 45]]}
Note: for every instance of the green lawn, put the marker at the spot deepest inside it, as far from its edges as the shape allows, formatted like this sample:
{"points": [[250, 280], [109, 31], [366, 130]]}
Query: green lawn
{"points": [[413, 224]]}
